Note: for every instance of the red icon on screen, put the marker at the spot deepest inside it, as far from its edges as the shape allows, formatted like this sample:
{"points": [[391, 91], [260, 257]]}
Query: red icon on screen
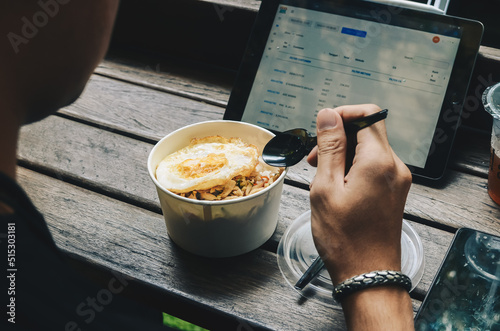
{"points": [[435, 39]]}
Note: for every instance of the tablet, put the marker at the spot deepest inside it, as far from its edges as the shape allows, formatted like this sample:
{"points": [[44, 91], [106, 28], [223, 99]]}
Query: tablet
{"points": [[303, 56]]}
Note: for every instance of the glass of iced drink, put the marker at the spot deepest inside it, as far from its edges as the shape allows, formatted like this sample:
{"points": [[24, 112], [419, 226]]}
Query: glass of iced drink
{"points": [[491, 102]]}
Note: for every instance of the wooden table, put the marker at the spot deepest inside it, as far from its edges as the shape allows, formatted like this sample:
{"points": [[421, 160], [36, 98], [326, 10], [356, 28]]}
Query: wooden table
{"points": [[85, 169]]}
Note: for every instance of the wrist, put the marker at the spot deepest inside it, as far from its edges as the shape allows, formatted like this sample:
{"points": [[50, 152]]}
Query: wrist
{"points": [[348, 257], [350, 267], [379, 308]]}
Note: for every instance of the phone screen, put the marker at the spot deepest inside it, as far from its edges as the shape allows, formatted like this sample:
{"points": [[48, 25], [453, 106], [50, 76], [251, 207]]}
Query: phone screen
{"points": [[465, 294]]}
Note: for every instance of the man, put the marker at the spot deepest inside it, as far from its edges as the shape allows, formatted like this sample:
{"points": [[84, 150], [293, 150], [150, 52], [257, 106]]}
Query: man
{"points": [[48, 51]]}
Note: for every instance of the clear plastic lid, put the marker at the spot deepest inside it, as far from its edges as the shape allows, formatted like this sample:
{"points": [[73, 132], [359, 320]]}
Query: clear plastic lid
{"points": [[296, 252], [491, 100]]}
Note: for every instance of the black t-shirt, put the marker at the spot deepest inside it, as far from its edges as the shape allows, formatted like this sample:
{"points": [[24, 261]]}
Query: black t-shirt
{"points": [[42, 291]]}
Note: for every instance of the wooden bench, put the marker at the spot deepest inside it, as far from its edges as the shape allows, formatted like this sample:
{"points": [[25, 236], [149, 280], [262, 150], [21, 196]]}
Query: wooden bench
{"points": [[85, 168]]}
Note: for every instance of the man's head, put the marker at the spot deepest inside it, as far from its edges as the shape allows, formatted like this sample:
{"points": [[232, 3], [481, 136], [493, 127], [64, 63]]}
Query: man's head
{"points": [[48, 50]]}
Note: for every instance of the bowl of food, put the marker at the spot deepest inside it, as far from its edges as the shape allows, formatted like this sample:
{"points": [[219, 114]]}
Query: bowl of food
{"points": [[218, 198]]}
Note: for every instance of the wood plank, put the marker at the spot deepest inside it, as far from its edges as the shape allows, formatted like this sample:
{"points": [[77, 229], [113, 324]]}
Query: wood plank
{"points": [[470, 152], [133, 241], [116, 105], [136, 110], [490, 53], [459, 201], [216, 87], [116, 165], [195, 82], [109, 161], [252, 5]]}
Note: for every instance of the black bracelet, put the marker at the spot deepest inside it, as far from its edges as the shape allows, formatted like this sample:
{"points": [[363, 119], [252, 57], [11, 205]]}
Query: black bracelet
{"points": [[371, 279]]}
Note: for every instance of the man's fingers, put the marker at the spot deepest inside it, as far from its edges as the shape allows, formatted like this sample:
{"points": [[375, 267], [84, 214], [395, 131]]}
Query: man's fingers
{"points": [[347, 113], [331, 149], [312, 158], [352, 112]]}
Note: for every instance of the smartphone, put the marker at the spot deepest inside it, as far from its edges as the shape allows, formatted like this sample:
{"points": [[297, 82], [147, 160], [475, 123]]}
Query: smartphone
{"points": [[465, 294]]}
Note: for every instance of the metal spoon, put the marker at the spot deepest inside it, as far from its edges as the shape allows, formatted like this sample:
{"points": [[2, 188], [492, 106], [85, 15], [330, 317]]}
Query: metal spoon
{"points": [[289, 147]]}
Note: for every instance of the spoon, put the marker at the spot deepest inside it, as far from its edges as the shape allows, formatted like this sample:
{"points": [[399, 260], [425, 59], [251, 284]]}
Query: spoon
{"points": [[289, 147], [310, 273]]}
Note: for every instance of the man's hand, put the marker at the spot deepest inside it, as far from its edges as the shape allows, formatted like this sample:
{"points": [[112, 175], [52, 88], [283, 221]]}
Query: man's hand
{"points": [[357, 212]]}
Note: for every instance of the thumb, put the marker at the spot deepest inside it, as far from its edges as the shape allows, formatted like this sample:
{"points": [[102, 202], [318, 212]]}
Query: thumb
{"points": [[332, 143]]}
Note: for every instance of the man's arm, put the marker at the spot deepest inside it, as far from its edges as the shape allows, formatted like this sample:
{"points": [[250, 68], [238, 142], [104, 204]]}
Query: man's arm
{"points": [[357, 216]]}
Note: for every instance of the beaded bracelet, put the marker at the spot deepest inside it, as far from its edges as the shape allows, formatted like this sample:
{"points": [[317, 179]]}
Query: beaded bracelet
{"points": [[371, 279]]}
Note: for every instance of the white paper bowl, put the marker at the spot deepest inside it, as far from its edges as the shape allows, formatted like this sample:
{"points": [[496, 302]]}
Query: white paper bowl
{"points": [[217, 228]]}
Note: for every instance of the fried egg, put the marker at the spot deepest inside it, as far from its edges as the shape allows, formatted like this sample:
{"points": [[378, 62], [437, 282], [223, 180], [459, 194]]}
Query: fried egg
{"points": [[205, 163]]}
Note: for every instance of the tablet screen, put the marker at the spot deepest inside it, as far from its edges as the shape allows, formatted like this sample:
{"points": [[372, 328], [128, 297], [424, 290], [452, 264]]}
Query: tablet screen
{"points": [[318, 56], [314, 60]]}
